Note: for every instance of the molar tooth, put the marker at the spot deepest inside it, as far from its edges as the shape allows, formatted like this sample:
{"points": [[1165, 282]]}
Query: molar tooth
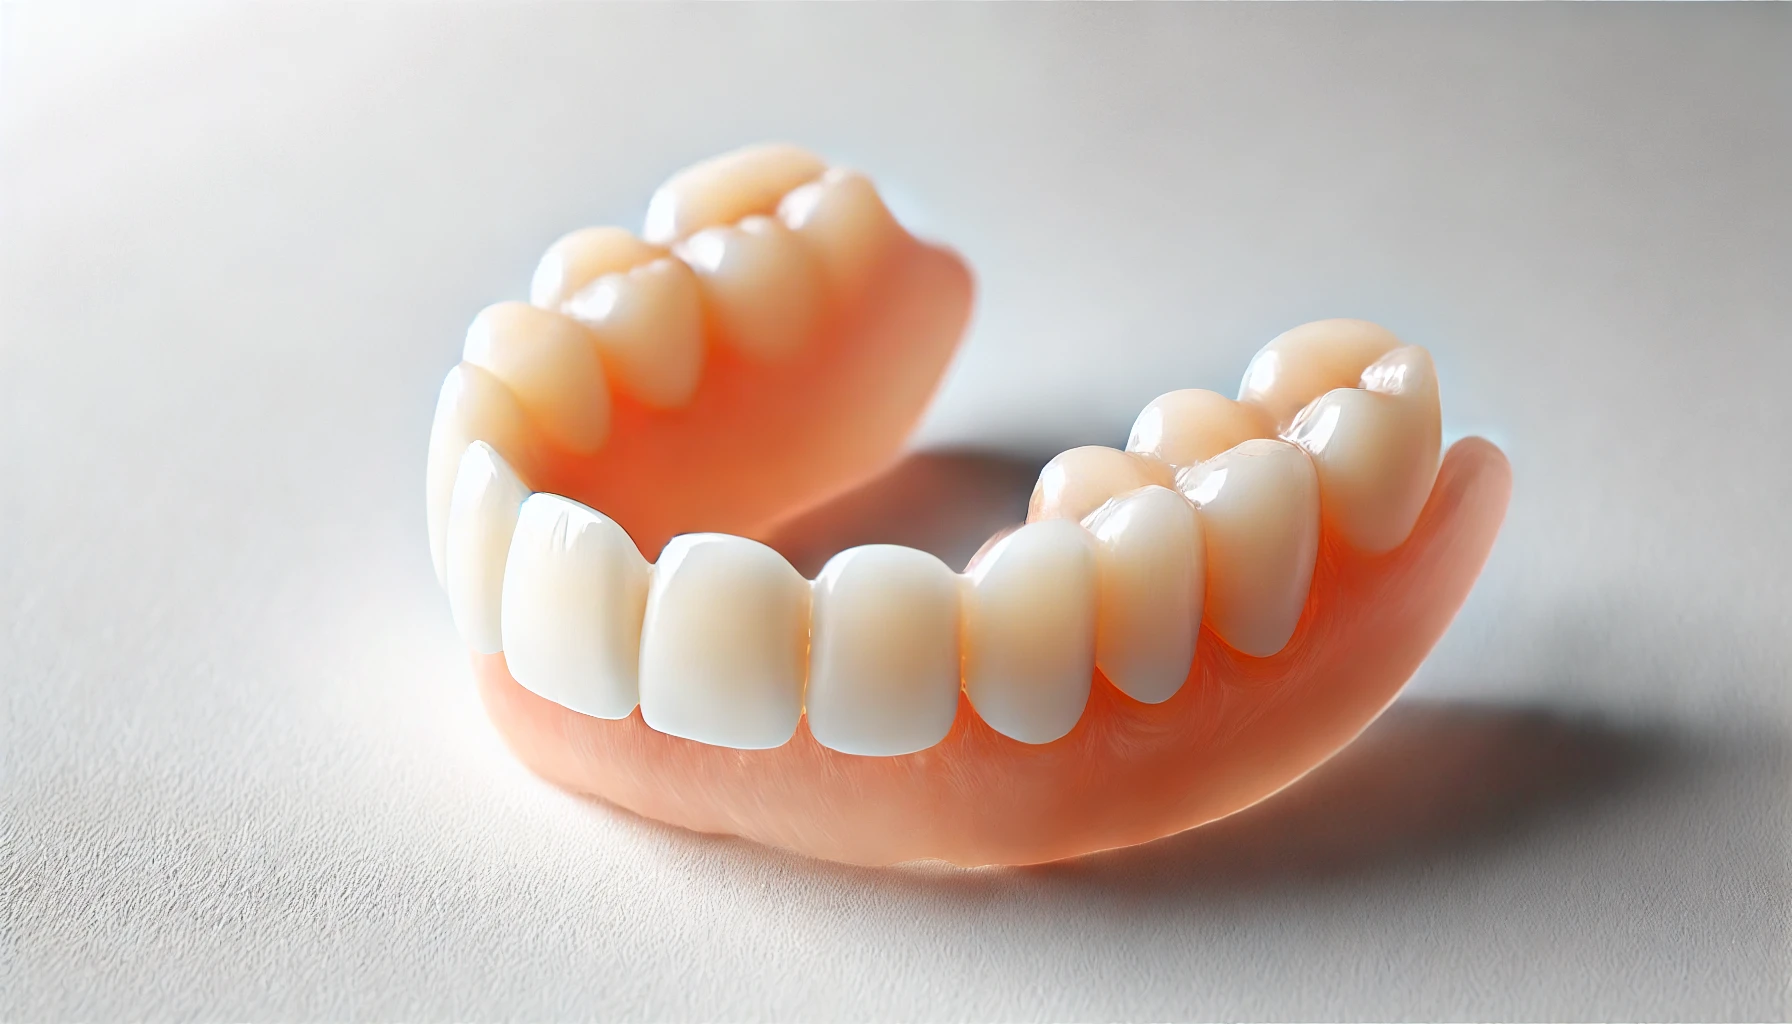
{"points": [[550, 363], [846, 224], [1153, 571], [761, 287], [1259, 506], [723, 189], [487, 495], [883, 658], [577, 259], [1029, 631], [1078, 480], [724, 646], [1306, 362], [1184, 427], [575, 589], [473, 406], [1376, 449], [648, 322]]}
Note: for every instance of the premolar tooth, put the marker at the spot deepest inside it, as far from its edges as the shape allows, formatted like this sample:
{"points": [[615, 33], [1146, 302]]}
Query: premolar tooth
{"points": [[761, 287], [575, 589], [579, 258], [1029, 631], [724, 647], [1183, 427], [1306, 362], [1259, 507], [1075, 482], [550, 363], [1376, 449], [845, 223], [487, 495], [723, 189], [473, 406], [1153, 571], [648, 323], [883, 657]]}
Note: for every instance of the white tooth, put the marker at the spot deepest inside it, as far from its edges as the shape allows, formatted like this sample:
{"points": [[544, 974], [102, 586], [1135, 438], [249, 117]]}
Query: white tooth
{"points": [[724, 647], [1153, 572], [1376, 449], [481, 520], [575, 589], [760, 286], [648, 322], [550, 363], [1184, 427], [845, 223], [883, 660], [473, 406], [582, 257], [1259, 507], [1078, 480], [1306, 362], [723, 189], [1029, 630]]}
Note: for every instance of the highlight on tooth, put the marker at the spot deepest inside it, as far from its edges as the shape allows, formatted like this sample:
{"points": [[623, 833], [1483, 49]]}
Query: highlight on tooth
{"points": [[1178, 629]]}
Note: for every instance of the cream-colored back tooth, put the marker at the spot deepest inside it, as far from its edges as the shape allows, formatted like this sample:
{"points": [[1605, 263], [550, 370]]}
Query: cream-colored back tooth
{"points": [[762, 291], [1183, 427], [1306, 362], [473, 406], [1153, 573], [575, 590], [481, 519], [648, 323], [577, 259], [883, 653], [725, 643], [723, 189], [1076, 481], [1376, 449], [845, 223], [550, 363], [1029, 630], [1259, 505]]}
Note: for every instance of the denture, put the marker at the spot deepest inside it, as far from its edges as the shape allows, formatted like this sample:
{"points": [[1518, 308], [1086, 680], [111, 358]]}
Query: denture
{"points": [[1179, 629]]}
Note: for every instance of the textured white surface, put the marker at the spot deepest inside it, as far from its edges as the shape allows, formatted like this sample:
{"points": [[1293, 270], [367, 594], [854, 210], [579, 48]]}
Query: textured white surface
{"points": [[245, 775]]}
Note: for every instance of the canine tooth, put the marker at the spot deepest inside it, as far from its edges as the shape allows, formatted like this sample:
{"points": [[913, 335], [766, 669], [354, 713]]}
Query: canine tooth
{"points": [[1029, 630], [487, 495], [550, 363], [1376, 449], [1306, 362], [648, 322], [724, 646], [1259, 507], [575, 590], [723, 189], [1153, 570], [761, 287], [577, 259], [845, 223], [473, 406], [1184, 427], [883, 657], [1076, 481]]}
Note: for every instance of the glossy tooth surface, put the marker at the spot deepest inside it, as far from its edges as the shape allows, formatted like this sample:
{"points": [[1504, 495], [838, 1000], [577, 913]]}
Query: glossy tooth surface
{"points": [[1183, 427], [883, 659], [843, 220], [1153, 573], [762, 290], [724, 647], [726, 188], [550, 364], [1376, 449], [1029, 630], [648, 325], [575, 589], [1306, 362], [579, 258], [1075, 482], [473, 406], [1259, 507], [481, 520]]}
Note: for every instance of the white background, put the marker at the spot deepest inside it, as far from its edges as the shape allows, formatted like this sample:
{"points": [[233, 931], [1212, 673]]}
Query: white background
{"points": [[245, 775]]}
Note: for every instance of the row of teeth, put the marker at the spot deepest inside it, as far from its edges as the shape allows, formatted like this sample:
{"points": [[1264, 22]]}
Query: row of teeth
{"points": [[1212, 514]]}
